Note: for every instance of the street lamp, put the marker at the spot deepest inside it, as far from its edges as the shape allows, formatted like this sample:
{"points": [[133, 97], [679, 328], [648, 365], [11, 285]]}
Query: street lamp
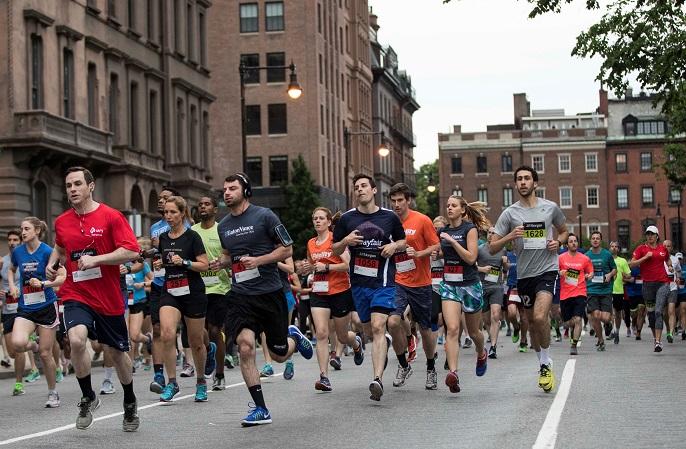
{"points": [[431, 187], [658, 215], [580, 215], [383, 151], [294, 91]]}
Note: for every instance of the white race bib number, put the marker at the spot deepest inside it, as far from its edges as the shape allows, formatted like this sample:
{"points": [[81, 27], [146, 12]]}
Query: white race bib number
{"points": [[242, 274], [210, 280], [159, 273], [598, 277], [404, 263], [436, 271], [514, 296], [535, 235], [366, 264], [320, 284], [178, 287], [673, 287], [453, 272], [493, 276], [87, 275], [572, 277]]}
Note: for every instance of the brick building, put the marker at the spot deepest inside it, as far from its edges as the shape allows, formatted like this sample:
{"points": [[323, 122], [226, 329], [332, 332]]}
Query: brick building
{"points": [[638, 186], [568, 152], [329, 43], [393, 105], [119, 87]]}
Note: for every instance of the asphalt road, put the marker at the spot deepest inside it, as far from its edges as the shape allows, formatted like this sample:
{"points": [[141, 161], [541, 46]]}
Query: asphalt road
{"points": [[626, 397]]}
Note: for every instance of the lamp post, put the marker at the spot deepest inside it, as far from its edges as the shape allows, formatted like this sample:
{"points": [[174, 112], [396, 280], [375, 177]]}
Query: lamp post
{"points": [[383, 151], [658, 215], [294, 91], [580, 215]]}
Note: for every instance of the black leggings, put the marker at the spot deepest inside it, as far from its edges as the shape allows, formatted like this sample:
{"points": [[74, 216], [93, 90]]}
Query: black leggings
{"points": [[304, 311]]}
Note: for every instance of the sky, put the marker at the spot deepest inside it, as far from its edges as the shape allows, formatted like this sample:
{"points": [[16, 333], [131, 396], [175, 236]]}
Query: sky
{"points": [[466, 59]]}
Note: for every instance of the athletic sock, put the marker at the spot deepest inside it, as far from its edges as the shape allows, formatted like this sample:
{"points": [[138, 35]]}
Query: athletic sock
{"points": [[257, 396], [86, 387], [538, 354], [108, 373], [402, 359], [159, 369], [545, 358], [172, 380], [129, 396], [200, 381], [430, 364]]}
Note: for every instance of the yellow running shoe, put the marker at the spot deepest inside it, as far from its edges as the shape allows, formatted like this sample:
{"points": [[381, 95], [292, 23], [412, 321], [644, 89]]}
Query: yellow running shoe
{"points": [[546, 378]]}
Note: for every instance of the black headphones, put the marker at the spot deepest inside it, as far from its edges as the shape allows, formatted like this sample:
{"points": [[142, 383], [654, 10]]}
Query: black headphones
{"points": [[245, 182]]}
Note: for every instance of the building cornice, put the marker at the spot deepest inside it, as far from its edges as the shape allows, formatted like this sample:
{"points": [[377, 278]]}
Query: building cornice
{"points": [[32, 14], [69, 32], [185, 85]]}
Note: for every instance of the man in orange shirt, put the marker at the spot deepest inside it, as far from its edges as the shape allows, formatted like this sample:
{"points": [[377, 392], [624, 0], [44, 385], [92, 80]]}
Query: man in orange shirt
{"points": [[413, 289], [575, 269]]}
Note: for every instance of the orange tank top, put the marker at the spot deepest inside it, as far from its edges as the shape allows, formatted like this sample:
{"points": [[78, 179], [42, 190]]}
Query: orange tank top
{"points": [[332, 282]]}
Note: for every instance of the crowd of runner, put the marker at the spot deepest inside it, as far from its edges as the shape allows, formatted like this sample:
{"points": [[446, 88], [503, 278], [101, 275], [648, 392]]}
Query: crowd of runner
{"points": [[205, 296]]}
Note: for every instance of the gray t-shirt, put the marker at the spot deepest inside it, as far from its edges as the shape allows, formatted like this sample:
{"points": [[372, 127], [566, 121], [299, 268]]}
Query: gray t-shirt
{"points": [[251, 234], [484, 258], [6, 262], [533, 258]]}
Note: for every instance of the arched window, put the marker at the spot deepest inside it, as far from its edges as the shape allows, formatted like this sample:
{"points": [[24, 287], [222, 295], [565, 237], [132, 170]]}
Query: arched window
{"points": [[137, 199], [40, 200], [152, 202]]}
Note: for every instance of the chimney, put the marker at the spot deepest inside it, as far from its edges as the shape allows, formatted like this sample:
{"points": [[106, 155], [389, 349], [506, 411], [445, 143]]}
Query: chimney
{"points": [[373, 21], [603, 107], [522, 108], [457, 129], [629, 93]]}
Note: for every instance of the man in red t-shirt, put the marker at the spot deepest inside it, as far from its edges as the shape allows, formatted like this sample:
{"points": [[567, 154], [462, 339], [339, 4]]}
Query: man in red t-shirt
{"points": [[652, 258], [575, 268], [92, 240]]}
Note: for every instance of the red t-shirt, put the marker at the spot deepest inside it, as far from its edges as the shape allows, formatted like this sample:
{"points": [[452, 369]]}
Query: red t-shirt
{"points": [[573, 283], [99, 232], [653, 269]]}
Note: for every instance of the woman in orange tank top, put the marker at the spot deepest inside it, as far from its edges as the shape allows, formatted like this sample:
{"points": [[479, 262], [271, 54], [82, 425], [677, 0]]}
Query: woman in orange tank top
{"points": [[330, 296]]}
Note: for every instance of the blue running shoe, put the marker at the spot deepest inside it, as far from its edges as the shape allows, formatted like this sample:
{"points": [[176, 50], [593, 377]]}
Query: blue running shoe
{"points": [[171, 390], [359, 354], [301, 342], [256, 416], [289, 372], [158, 384], [482, 364], [267, 370], [201, 393], [210, 362]]}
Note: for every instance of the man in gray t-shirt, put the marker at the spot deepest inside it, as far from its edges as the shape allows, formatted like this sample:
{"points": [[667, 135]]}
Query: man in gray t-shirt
{"points": [[492, 271], [529, 224]]}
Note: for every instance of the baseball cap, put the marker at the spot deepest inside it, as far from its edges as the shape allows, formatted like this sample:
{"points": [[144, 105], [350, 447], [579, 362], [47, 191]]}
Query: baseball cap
{"points": [[652, 229]]}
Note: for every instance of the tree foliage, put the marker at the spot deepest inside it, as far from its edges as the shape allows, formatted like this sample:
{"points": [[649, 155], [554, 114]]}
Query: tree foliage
{"points": [[427, 202], [301, 198]]}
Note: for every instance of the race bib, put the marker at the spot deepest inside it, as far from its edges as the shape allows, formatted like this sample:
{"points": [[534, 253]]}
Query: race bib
{"points": [[673, 287], [404, 263], [493, 275], [572, 277], [366, 264], [210, 278], [178, 285], [514, 296], [60, 308], [320, 284], [535, 235], [453, 271], [129, 280], [32, 295], [638, 281], [242, 274], [87, 275], [598, 277], [436, 271], [11, 304], [130, 301]]}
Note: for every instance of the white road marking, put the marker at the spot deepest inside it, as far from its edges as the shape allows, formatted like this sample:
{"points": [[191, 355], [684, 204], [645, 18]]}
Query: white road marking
{"points": [[111, 415], [548, 434]]}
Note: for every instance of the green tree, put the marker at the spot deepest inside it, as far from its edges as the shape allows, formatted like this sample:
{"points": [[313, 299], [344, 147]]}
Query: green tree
{"points": [[427, 202], [301, 198]]}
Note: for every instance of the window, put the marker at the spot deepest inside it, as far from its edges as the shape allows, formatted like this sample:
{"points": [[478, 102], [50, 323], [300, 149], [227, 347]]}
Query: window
{"points": [[646, 161], [177, 24], [92, 88], [132, 14], [674, 195], [507, 196], [456, 164], [650, 127], [620, 163], [190, 32], [150, 19], [537, 162], [676, 231], [506, 163], [133, 114], [273, 16], [319, 18], [565, 197], [193, 137], [591, 162], [202, 31], [114, 107], [647, 196], [276, 115], [457, 191], [592, 196], [253, 168], [36, 72], [540, 192], [592, 228], [112, 8], [481, 164], [276, 75], [253, 122], [622, 197], [152, 121], [278, 170], [249, 18], [39, 205], [252, 76], [180, 124], [623, 231], [564, 163], [68, 83], [482, 195], [630, 128]]}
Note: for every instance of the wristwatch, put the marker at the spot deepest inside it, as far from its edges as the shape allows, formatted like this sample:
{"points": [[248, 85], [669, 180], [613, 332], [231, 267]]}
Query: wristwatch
{"points": [[42, 285], [187, 263]]}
